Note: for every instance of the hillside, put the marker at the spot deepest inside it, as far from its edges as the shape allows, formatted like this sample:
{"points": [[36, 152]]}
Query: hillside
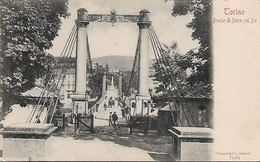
{"points": [[120, 62]]}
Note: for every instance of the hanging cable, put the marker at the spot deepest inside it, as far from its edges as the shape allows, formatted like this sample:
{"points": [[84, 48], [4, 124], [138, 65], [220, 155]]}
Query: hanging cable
{"points": [[176, 83], [137, 53], [41, 96], [171, 75], [167, 70], [63, 72], [54, 109], [54, 85], [164, 86], [62, 57], [90, 65]]}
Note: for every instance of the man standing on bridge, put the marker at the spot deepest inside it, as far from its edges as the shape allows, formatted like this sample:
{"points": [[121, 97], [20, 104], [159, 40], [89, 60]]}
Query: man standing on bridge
{"points": [[110, 119], [115, 118], [105, 106]]}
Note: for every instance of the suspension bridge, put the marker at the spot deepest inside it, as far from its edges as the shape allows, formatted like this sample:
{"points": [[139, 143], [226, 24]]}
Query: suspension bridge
{"points": [[83, 114], [147, 39]]}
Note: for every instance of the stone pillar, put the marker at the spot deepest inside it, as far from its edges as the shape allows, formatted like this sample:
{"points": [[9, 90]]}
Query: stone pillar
{"points": [[104, 83], [81, 51], [143, 69], [143, 95], [80, 98], [112, 82], [120, 85], [192, 143], [24, 140]]}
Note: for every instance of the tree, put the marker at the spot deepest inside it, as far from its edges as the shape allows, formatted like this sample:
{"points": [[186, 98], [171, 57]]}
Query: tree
{"points": [[28, 27], [125, 82], [168, 73], [200, 59], [174, 80], [107, 68]]}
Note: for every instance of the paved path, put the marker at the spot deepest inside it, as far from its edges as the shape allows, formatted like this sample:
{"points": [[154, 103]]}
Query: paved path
{"points": [[69, 149], [102, 116]]}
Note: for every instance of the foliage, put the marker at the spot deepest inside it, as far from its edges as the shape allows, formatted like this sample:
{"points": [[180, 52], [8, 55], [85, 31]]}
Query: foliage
{"points": [[200, 59], [28, 27], [96, 82], [167, 71], [68, 62], [175, 79], [126, 80]]}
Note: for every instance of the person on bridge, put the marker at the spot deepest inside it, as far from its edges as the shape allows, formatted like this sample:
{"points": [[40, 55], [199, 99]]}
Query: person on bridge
{"points": [[146, 124], [115, 118], [123, 112], [129, 120], [105, 106], [38, 119], [110, 119], [97, 107]]}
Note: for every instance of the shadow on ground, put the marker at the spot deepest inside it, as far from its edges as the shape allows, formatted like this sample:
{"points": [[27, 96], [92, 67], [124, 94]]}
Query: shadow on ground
{"points": [[158, 146], [151, 142]]}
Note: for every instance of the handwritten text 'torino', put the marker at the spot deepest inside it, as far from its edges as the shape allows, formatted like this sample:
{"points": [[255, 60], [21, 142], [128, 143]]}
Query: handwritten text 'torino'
{"points": [[228, 11], [234, 16]]}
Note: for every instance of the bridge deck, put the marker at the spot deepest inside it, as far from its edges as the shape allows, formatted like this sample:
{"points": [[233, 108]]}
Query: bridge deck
{"points": [[102, 116]]}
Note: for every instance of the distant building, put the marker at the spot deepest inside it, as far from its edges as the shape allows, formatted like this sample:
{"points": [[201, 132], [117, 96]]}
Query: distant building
{"points": [[94, 65], [68, 86], [113, 70], [194, 109]]}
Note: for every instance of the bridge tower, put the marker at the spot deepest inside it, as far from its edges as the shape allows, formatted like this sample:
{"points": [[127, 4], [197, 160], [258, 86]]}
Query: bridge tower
{"points": [[143, 96], [80, 96], [120, 84], [104, 85]]}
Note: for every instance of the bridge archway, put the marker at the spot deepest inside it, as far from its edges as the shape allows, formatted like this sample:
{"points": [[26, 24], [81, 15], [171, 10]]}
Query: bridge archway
{"points": [[83, 56]]}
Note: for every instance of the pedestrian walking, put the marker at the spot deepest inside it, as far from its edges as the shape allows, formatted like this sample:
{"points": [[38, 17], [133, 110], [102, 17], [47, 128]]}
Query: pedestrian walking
{"points": [[129, 120], [38, 119], [123, 112], [110, 119], [146, 124], [115, 118], [97, 107], [105, 106]]}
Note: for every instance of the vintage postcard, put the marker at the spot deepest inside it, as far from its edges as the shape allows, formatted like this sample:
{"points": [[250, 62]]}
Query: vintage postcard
{"points": [[129, 80]]}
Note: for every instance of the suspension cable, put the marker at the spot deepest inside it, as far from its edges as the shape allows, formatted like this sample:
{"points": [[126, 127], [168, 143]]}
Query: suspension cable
{"points": [[167, 63], [63, 71], [90, 65], [162, 59], [167, 70], [61, 84], [175, 80], [62, 56], [161, 78], [41, 96], [137, 53]]}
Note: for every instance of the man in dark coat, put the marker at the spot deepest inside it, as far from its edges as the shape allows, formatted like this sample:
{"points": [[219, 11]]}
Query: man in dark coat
{"points": [[110, 119], [115, 118]]}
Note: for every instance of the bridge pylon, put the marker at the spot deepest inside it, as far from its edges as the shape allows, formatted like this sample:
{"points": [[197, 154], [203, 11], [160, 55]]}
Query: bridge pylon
{"points": [[143, 96], [80, 96], [120, 84], [104, 85]]}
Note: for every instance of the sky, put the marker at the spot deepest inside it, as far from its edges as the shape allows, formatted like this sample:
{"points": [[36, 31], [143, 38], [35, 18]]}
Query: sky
{"points": [[121, 39]]}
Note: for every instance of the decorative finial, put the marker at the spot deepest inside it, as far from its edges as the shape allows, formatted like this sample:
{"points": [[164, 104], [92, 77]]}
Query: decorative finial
{"points": [[113, 12], [113, 16]]}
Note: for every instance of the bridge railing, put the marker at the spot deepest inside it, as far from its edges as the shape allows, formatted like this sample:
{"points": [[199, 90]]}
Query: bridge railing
{"points": [[93, 108]]}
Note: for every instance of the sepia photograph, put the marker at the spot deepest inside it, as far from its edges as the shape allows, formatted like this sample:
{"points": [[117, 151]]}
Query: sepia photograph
{"points": [[118, 80]]}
